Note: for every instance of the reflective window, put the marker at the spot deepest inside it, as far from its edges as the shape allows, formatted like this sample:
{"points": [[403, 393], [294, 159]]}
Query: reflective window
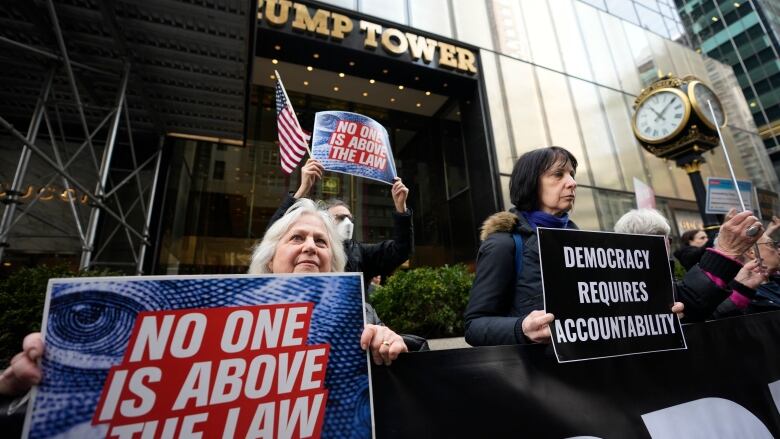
{"points": [[509, 27], [652, 20], [505, 156], [620, 125], [596, 45], [621, 53], [525, 111], [544, 49], [623, 9], [575, 57], [595, 132], [471, 23], [391, 10], [431, 15], [561, 118]]}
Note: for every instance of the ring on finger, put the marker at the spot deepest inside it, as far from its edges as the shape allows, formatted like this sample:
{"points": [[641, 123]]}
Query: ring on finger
{"points": [[753, 230], [386, 343]]}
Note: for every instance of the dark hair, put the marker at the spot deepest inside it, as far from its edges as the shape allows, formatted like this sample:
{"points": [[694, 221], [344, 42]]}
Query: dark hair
{"points": [[524, 182], [688, 236]]}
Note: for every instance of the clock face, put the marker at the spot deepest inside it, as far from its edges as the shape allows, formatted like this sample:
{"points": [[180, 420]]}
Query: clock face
{"points": [[661, 116], [700, 95]]}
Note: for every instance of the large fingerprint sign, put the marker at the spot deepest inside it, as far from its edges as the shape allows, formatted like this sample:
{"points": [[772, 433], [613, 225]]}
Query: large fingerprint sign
{"points": [[203, 356]]}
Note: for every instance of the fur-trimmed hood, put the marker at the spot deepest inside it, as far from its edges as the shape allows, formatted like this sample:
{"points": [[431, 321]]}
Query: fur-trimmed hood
{"points": [[498, 222]]}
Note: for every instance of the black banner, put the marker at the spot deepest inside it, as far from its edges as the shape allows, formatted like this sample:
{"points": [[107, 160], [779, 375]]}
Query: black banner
{"points": [[725, 385], [611, 294]]}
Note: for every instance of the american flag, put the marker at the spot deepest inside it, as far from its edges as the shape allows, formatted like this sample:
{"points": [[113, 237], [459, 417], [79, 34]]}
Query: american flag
{"points": [[292, 139]]}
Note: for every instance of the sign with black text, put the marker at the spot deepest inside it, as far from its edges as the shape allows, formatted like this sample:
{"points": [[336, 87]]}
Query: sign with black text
{"points": [[611, 294]]}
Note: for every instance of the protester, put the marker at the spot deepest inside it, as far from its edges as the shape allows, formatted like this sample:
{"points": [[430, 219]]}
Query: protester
{"points": [[719, 276], [370, 259], [505, 307], [694, 243], [302, 241], [764, 294]]}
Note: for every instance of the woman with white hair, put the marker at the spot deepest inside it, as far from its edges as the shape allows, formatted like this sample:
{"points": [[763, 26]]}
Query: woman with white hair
{"points": [[302, 241]]}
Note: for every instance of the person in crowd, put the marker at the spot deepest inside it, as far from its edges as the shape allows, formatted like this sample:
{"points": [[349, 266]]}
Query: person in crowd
{"points": [[694, 243], [764, 295], [304, 240], [719, 276], [505, 307], [371, 259]]}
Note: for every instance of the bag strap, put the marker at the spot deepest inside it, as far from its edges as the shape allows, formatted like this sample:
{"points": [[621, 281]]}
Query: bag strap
{"points": [[518, 254]]}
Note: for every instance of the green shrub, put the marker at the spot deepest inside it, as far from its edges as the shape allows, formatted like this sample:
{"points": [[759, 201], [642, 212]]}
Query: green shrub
{"points": [[428, 302], [22, 296]]}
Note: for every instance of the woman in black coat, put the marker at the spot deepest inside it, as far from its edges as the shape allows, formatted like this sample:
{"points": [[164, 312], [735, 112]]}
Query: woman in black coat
{"points": [[694, 244]]}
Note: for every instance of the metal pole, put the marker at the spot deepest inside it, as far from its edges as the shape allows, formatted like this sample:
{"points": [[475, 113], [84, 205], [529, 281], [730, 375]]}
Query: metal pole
{"points": [[4, 123], [152, 192], [71, 78], [65, 184], [24, 160], [94, 215]]}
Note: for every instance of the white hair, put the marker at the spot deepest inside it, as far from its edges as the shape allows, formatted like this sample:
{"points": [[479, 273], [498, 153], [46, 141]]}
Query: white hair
{"points": [[263, 253], [643, 222]]}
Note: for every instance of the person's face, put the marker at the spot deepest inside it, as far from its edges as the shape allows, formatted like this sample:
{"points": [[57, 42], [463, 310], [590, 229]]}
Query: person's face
{"points": [[769, 253], [304, 248], [556, 189], [339, 213], [699, 239]]}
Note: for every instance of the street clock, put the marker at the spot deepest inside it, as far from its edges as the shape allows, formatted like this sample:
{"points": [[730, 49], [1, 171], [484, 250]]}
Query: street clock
{"points": [[672, 119]]}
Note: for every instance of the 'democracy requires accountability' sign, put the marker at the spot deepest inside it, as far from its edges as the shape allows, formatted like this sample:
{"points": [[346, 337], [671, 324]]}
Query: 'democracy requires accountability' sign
{"points": [[353, 144], [203, 356], [611, 294]]}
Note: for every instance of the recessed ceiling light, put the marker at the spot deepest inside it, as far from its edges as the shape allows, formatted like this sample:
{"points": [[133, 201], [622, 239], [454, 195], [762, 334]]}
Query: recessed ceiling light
{"points": [[310, 68], [416, 78], [400, 87], [341, 75], [316, 55], [352, 63], [444, 85], [273, 77], [714, 18], [277, 47], [365, 93], [427, 93], [371, 81], [753, 104], [392, 99], [335, 88], [384, 71], [274, 61], [418, 105], [736, 4], [305, 82]]}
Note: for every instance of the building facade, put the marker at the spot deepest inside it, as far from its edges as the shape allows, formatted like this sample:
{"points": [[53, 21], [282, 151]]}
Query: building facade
{"points": [[463, 88], [744, 35]]}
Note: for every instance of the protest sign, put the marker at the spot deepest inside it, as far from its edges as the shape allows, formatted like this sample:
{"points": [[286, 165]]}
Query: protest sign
{"points": [[198, 356], [611, 294], [722, 196], [725, 385], [353, 144]]}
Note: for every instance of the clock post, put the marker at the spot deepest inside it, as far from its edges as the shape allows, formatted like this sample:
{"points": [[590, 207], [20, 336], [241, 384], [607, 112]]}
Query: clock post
{"points": [[672, 122]]}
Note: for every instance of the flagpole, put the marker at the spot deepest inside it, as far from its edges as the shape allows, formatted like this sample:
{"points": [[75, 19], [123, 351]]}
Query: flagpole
{"points": [[284, 90], [752, 230]]}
